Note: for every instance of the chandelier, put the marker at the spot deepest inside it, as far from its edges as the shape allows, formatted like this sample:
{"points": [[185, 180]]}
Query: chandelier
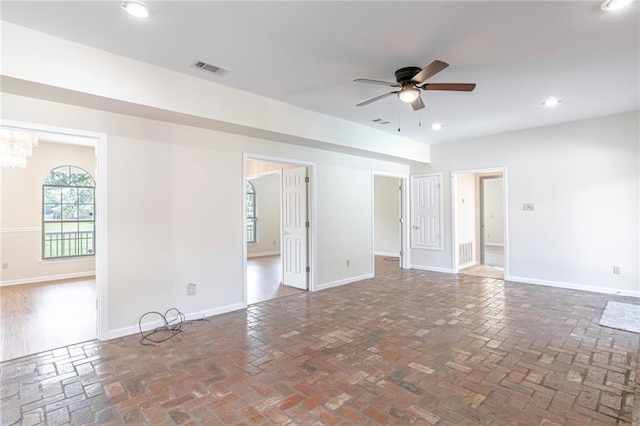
{"points": [[15, 146]]}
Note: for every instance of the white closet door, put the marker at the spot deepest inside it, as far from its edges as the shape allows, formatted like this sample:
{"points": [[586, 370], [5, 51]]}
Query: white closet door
{"points": [[426, 211]]}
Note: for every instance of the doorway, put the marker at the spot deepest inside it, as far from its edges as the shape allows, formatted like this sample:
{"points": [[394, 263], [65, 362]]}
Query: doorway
{"points": [[52, 248], [491, 221], [277, 238], [387, 223], [480, 226]]}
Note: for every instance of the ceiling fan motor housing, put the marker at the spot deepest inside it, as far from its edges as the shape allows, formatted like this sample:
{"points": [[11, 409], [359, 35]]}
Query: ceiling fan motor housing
{"points": [[404, 75]]}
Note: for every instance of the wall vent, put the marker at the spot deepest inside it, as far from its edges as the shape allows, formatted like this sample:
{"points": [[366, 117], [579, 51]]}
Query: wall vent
{"points": [[211, 68], [465, 253]]}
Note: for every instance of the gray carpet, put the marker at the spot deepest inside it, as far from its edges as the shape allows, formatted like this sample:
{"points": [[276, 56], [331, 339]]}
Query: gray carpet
{"points": [[622, 316]]}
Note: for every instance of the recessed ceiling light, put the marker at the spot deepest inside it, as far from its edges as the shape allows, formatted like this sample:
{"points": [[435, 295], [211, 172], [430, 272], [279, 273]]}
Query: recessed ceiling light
{"points": [[551, 102], [615, 4], [137, 10], [436, 126]]}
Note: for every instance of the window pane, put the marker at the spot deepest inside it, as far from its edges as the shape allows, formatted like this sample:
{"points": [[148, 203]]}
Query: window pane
{"points": [[69, 211], [85, 195], [69, 195], [251, 231], [69, 239], [52, 242], [52, 212], [85, 211], [79, 177], [251, 211], [52, 195], [57, 176]]}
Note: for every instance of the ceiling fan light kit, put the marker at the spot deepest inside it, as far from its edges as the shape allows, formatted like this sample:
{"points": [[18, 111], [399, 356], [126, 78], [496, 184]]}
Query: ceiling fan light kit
{"points": [[408, 94]]}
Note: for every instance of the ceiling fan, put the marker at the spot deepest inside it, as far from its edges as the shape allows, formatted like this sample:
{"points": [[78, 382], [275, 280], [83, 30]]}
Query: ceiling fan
{"points": [[410, 81]]}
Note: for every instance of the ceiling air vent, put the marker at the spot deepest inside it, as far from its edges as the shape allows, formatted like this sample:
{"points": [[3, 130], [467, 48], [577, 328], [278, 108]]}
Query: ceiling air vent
{"points": [[211, 68], [380, 121]]}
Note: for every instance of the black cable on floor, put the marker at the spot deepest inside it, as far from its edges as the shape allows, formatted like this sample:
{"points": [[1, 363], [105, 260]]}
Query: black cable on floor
{"points": [[172, 326]]}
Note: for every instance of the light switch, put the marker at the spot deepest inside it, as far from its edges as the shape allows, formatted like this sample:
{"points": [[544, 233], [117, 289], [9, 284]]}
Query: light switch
{"points": [[527, 207]]}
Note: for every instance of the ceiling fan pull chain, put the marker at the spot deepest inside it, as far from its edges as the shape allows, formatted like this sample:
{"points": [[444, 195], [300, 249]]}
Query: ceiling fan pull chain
{"points": [[419, 118], [398, 111]]}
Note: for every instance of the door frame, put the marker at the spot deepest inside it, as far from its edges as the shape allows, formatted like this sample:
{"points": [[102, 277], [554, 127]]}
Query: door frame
{"points": [[454, 214], [405, 256], [311, 213], [101, 221]]}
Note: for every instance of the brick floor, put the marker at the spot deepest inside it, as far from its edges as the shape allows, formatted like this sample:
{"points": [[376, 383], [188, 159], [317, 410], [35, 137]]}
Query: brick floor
{"points": [[408, 347]]}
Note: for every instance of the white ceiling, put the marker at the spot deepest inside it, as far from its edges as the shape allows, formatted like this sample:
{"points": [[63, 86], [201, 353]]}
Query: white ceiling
{"points": [[308, 53]]}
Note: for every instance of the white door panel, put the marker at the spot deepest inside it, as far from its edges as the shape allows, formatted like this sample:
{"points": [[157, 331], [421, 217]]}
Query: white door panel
{"points": [[294, 229], [426, 228]]}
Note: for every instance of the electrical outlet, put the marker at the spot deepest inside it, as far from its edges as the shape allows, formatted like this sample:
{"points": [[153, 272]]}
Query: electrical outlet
{"points": [[5, 265], [527, 207], [191, 289], [616, 270]]}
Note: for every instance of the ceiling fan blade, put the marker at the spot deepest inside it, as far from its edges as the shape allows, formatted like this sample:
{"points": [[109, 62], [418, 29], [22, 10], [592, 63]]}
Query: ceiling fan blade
{"points": [[457, 87], [417, 104], [383, 83], [429, 71], [377, 98]]}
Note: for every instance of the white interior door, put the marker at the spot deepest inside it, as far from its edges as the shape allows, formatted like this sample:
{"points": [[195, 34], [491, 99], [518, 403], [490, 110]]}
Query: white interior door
{"points": [[426, 228], [294, 227]]}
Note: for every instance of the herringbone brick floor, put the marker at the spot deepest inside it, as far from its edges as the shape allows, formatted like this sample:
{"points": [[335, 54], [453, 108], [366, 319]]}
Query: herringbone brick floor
{"points": [[408, 347]]}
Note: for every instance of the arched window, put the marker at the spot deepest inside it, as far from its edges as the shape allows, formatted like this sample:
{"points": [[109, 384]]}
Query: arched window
{"points": [[68, 206], [252, 225]]}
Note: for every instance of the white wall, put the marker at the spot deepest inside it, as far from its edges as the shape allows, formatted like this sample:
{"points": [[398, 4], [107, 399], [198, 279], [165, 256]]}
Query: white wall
{"points": [[268, 206], [176, 210], [493, 212], [21, 216], [344, 206], [583, 180], [466, 210], [386, 213]]}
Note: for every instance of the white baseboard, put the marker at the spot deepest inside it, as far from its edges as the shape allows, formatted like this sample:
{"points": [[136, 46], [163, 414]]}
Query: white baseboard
{"points": [[342, 282], [573, 286], [432, 269], [387, 254], [494, 244], [266, 253], [127, 331], [48, 278]]}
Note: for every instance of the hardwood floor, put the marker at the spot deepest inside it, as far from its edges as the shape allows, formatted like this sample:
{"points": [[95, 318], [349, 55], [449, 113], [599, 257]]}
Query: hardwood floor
{"points": [[385, 264], [45, 316], [264, 277]]}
